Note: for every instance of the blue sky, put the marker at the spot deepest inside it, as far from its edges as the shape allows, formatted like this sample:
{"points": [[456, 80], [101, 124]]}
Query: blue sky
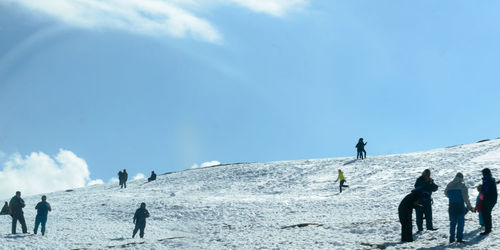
{"points": [[162, 85]]}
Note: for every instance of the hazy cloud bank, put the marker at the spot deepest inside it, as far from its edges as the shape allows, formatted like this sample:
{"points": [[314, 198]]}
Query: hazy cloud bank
{"points": [[152, 17], [206, 164], [40, 173]]}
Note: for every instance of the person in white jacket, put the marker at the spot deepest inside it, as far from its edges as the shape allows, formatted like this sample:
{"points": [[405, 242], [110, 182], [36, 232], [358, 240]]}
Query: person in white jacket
{"points": [[457, 193]]}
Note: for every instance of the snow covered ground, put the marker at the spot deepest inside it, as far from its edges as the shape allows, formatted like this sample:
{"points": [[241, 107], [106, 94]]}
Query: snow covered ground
{"points": [[247, 206]]}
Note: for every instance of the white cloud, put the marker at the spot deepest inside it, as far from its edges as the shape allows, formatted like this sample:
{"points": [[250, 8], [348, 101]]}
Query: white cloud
{"points": [[95, 182], [206, 164], [272, 7], [39, 173], [139, 176], [152, 17], [113, 181]]}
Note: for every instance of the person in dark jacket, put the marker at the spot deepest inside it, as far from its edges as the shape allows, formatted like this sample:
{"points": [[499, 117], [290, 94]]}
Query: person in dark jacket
{"points": [[5, 209], [124, 178], [361, 149], [120, 178], [43, 208], [140, 220], [16, 205], [152, 177], [488, 197], [405, 211], [426, 184], [457, 193]]}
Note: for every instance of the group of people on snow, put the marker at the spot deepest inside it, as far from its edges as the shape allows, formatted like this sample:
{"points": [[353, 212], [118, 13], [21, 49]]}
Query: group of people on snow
{"points": [[15, 209], [122, 178], [420, 199]]}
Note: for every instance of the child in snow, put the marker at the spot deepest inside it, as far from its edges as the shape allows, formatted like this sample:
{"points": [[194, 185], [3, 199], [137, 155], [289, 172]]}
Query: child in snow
{"points": [[477, 208], [342, 180]]}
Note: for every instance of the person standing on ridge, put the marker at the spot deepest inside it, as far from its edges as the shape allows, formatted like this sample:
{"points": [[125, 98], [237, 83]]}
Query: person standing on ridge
{"points": [[16, 205], [43, 208], [361, 149], [488, 198], [125, 178], [425, 184], [342, 180], [120, 178], [405, 211], [140, 220], [457, 193]]}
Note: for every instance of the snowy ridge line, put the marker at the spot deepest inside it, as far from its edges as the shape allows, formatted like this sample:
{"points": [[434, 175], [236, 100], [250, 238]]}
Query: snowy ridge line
{"points": [[268, 205]]}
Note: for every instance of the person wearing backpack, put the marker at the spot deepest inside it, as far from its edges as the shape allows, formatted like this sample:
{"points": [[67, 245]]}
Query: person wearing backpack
{"points": [[457, 194]]}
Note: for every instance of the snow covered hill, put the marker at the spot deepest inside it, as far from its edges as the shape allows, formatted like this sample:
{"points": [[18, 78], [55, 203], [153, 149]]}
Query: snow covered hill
{"points": [[255, 205]]}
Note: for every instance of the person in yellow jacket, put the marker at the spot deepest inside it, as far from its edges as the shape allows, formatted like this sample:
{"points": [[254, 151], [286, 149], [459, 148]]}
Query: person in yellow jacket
{"points": [[342, 180]]}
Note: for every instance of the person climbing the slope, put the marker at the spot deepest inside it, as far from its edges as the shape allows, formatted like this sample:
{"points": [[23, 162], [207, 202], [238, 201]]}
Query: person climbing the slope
{"points": [[405, 211], [140, 220], [426, 184], [457, 193], [361, 149], [488, 199], [342, 180], [43, 208], [16, 205]]}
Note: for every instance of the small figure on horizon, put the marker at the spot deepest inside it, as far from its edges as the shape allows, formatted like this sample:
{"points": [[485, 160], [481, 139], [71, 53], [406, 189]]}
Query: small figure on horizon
{"points": [[457, 193], [43, 208], [140, 220], [123, 179], [361, 149], [426, 185], [342, 180], [152, 177], [5, 209], [477, 208], [16, 205], [120, 178], [488, 198], [405, 211]]}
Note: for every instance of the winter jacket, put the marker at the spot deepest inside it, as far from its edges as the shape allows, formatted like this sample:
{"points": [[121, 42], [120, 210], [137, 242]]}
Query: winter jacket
{"points": [[408, 203], [457, 193], [16, 205], [489, 190], [43, 208], [425, 186], [140, 215], [341, 176], [360, 145]]}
